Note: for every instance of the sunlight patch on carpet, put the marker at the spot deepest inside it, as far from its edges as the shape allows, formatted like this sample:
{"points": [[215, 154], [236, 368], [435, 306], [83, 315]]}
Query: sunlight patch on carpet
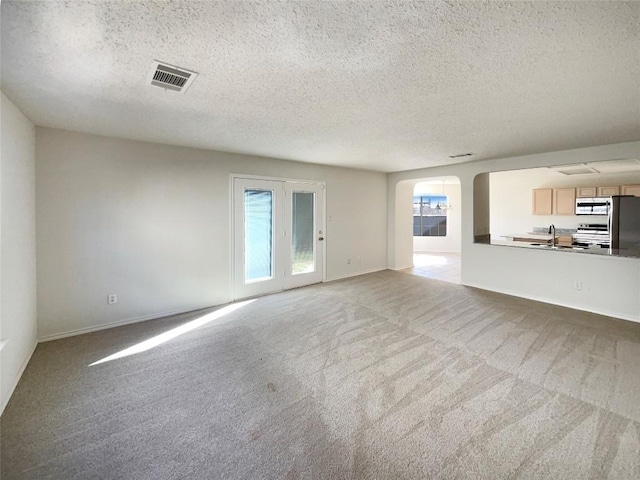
{"points": [[173, 333]]}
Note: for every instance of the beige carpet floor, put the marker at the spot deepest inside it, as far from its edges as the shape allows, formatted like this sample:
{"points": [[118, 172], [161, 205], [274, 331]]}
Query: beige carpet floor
{"points": [[382, 376]]}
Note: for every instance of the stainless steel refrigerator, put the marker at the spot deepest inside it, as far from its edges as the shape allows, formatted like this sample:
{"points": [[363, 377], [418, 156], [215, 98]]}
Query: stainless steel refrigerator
{"points": [[624, 223]]}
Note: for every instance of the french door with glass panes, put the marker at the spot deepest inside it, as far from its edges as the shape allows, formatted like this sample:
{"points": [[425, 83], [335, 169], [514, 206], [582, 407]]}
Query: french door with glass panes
{"points": [[278, 235]]}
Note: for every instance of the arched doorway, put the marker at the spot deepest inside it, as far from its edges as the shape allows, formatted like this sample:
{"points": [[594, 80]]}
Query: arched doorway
{"points": [[437, 226]]}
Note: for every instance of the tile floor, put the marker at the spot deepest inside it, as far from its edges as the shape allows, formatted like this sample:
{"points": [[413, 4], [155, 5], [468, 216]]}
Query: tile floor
{"points": [[439, 266]]}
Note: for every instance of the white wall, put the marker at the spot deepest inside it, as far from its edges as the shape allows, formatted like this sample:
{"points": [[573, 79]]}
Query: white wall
{"points": [[151, 223], [542, 275], [18, 247], [450, 243], [400, 225], [511, 199]]}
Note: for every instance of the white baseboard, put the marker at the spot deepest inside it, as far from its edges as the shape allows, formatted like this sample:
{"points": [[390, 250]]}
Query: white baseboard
{"points": [[411, 265], [18, 376], [606, 313], [144, 318], [333, 279]]}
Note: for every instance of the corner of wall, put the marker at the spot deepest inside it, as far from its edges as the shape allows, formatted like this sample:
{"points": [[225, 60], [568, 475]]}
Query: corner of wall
{"points": [[6, 395], [18, 325]]}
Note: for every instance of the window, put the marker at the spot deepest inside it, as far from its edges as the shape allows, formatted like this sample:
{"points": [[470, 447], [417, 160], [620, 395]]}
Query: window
{"points": [[430, 216]]}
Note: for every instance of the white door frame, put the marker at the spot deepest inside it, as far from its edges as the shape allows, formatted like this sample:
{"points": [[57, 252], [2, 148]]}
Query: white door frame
{"points": [[232, 244]]}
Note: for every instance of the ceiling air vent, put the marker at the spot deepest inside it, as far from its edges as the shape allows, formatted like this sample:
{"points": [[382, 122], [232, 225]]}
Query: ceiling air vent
{"points": [[170, 77], [461, 155]]}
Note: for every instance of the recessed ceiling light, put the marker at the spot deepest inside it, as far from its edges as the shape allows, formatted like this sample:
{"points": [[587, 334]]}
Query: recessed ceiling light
{"points": [[574, 169], [621, 165], [579, 171]]}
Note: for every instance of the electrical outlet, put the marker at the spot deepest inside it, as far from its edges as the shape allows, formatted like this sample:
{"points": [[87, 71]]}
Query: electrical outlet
{"points": [[577, 285], [112, 298], [348, 261]]}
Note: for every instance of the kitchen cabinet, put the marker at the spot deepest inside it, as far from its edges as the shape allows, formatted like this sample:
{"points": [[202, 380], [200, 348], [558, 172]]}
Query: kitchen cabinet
{"points": [[587, 192], [542, 201], [631, 190], [608, 191], [564, 201]]}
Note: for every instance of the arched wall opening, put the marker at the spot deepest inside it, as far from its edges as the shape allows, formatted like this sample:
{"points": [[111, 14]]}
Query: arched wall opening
{"points": [[447, 237], [402, 243]]}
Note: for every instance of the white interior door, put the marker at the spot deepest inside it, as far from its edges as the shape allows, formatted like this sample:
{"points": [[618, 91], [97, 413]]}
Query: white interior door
{"points": [[278, 235]]}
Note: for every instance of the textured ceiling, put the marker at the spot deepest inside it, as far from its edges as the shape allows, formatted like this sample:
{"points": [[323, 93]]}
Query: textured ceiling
{"points": [[386, 86]]}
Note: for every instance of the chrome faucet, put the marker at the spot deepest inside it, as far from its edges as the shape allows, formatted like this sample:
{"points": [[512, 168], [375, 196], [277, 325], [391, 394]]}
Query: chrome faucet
{"points": [[552, 229]]}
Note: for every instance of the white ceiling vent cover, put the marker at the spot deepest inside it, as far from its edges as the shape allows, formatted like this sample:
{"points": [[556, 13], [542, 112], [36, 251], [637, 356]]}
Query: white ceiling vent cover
{"points": [[576, 169], [170, 77]]}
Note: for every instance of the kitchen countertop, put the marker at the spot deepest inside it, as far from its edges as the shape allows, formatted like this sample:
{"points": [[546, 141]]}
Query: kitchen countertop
{"points": [[539, 236], [606, 252]]}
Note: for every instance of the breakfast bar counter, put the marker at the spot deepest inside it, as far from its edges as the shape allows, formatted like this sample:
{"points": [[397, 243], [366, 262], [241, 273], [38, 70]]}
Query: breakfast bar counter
{"points": [[594, 250]]}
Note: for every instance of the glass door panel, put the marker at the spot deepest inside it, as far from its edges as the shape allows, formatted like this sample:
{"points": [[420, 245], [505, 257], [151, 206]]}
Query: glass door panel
{"points": [[302, 233], [303, 218], [258, 235]]}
